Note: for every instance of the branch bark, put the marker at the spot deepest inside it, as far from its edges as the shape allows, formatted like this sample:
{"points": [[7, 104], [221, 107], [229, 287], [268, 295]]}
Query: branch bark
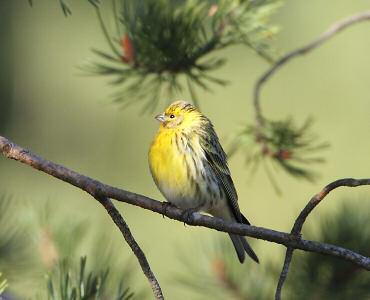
{"points": [[12, 151], [103, 191], [298, 224], [126, 233], [334, 29]]}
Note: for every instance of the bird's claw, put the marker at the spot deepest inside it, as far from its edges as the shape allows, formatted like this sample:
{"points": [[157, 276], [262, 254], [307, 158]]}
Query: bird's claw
{"points": [[165, 205], [187, 215]]}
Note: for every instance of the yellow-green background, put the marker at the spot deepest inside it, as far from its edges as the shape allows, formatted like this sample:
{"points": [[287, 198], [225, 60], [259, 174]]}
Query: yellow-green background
{"points": [[69, 118]]}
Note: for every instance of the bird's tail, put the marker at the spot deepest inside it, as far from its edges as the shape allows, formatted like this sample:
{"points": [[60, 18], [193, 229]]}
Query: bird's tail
{"points": [[241, 245]]}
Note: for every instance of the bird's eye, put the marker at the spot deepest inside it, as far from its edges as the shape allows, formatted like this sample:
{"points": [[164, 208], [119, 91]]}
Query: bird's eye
{"points": [[172, 116]]}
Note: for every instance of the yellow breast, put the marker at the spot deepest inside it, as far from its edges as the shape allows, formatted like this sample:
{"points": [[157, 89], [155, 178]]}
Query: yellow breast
{"points": [[168, 165]]}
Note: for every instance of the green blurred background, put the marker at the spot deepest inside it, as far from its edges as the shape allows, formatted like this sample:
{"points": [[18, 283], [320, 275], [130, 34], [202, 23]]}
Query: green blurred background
{"points": [[50, 107]]}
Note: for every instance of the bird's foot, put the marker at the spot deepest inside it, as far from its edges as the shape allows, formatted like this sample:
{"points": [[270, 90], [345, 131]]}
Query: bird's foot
{"points": [[187, 215], [165, 205]]}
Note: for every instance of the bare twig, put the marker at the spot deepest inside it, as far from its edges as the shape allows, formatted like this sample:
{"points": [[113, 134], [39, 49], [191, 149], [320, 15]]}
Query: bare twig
{"points": [[103, 191], [315, 200], [125, 230], [298, 224], [284, 272], [334, 29], [329, 33]]}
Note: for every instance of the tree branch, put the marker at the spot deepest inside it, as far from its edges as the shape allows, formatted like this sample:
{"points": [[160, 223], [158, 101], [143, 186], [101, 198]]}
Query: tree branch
{"points": [[298, 224], [103, 191], [125, 230], [17, 153], [334, 29]]}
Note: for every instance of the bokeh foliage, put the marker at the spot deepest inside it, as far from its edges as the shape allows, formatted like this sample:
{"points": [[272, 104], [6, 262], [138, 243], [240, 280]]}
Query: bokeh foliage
{"points": [[323, 277], [45, 246], [3, 284], [64, 5], [68, 283], [161, 47], [15, 241], [6, 59], [217, 274]]}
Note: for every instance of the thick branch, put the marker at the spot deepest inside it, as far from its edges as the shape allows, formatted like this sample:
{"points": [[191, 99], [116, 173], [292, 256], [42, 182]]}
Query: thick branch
{"points": [[103, 193], [298, 224], [14, 152], [100, 190], [329, 33]]}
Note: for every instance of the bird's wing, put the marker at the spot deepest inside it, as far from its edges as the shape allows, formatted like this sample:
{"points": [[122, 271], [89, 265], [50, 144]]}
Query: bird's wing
{"points": [[217, 159]]}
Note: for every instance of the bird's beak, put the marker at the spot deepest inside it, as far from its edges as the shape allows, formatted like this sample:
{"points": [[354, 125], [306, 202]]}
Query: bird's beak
{"points": [[160, 118]]}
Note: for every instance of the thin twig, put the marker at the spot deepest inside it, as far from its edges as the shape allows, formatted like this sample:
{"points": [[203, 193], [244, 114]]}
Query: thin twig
{"points": [[334, 29], [329, 33], [298, 224], [284, 272], [315, 200], [102, 191], [125, 230]]}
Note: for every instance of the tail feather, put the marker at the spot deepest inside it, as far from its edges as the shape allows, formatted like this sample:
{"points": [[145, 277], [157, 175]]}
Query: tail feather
{"points": [[249, 249], [238, 245], [241, 245]]}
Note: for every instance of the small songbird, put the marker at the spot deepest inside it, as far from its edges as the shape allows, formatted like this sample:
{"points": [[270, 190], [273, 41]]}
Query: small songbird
{"points": [[190, 168]]}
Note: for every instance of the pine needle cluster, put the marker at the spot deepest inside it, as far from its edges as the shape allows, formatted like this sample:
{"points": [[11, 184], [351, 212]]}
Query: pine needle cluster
{"points": [[68, 283], [161, 47], [280, 145]]}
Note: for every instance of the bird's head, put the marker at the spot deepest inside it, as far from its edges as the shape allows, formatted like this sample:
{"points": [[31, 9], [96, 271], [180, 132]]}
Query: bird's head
{"points": [[180, 115]]}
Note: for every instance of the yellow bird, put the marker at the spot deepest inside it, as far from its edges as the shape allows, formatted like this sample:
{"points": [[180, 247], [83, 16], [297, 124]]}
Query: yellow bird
{"points": [[190, 168]]}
